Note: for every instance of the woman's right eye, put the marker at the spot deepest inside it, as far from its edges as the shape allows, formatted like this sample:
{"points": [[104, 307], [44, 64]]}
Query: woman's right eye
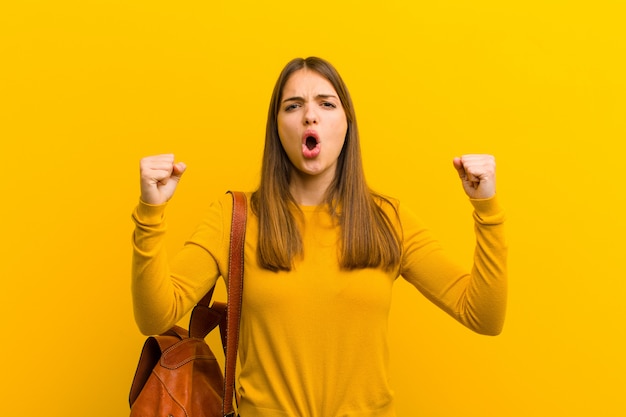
{"points": [[292, 106]]}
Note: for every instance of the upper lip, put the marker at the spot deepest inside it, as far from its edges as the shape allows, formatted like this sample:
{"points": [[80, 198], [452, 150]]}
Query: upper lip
{"points": [[310, 133]]}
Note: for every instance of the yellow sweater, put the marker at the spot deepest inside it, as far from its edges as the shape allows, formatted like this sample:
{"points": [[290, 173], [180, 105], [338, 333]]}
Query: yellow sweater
{"points": [[313, 341]]}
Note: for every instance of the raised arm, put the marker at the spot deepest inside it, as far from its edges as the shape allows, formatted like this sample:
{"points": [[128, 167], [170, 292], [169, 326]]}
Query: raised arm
{"points": [[474, 296], [163, 290]]}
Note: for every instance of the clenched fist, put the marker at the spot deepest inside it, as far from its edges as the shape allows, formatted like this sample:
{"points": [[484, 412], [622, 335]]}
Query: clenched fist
{"points": [[478, 175], [159, 176]]}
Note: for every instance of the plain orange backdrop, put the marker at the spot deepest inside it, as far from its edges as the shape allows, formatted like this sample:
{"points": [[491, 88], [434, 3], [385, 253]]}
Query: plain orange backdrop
{"points": [[89, 87]]}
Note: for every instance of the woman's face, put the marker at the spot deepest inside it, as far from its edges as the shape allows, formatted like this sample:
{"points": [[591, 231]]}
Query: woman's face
{"points": [[312, 124]]}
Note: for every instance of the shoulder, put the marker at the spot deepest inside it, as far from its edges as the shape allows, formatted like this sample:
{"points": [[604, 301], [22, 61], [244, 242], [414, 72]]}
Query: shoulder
{"points": [[389, 205], [225, 201], [400, 215], [219, 212]]}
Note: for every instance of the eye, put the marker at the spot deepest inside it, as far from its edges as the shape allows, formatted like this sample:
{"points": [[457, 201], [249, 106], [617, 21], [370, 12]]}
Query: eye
{"points": [[292, 106], [329, 105]]}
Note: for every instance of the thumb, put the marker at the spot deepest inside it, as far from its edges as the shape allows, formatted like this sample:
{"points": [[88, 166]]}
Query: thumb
{"points": [[178, 170], [458, 165]]}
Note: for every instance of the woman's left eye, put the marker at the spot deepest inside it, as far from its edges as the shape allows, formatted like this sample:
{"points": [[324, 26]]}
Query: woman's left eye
{"points": [[328, 104]]}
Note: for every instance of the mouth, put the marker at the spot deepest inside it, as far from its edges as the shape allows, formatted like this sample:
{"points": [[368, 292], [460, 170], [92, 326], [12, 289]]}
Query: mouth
{"points": [[310, 139], [310, 144]]}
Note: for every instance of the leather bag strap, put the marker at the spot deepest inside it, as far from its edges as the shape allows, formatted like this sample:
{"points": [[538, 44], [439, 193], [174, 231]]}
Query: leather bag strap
{"points": [[235, 293]]}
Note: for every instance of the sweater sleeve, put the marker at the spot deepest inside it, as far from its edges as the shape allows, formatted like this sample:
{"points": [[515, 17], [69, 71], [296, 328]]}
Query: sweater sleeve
{"points": [[476, 298], [164, 290]]}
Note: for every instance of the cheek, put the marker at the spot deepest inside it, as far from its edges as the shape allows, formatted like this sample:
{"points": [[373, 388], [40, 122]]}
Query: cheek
{"points": [[341, 123], [284, 127], [341, 127], [289, 146], [282, 132]]}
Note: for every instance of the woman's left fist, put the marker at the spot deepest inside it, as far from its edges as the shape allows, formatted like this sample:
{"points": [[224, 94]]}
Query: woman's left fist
{"points": [[478, 174]]}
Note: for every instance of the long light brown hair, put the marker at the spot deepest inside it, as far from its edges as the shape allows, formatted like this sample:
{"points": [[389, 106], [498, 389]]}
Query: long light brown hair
{"points": [[368, 238]]}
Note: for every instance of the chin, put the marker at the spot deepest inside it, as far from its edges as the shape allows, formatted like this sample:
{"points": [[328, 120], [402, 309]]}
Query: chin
{"points": [[311, 169]]}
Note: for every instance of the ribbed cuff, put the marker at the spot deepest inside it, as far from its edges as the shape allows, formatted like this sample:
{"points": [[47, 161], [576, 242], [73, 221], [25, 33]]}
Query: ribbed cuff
{"points": [[149, 214], [487, 210]]}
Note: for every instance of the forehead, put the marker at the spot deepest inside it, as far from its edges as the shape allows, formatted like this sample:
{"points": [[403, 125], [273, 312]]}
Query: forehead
{"points": [[306, 82]]}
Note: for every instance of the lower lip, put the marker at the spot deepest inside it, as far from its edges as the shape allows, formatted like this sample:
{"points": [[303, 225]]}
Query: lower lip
{"points": [[311, 153]]}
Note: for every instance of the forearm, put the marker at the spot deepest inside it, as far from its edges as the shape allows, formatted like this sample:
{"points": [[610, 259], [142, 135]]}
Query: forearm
{"points": [[151, 288], [485, 299]]}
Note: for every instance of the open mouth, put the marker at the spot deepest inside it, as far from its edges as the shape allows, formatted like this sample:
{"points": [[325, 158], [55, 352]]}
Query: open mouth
{"points": [[311, 146], [310, 142]]}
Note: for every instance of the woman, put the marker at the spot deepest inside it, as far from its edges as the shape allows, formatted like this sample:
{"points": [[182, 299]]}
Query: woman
{"points": [[322, 253]]}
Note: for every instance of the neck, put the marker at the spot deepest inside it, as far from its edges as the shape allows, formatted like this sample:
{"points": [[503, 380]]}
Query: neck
{"points": [[309, 190]]}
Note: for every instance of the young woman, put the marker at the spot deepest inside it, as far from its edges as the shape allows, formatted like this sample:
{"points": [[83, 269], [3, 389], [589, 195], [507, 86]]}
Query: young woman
{"points": [[322, 253]]}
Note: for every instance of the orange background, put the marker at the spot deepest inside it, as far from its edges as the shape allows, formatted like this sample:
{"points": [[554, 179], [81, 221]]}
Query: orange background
{"points": [[88, 87]]}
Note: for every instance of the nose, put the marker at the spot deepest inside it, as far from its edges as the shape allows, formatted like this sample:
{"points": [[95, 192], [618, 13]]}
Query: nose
{"points": [[310, 116]]}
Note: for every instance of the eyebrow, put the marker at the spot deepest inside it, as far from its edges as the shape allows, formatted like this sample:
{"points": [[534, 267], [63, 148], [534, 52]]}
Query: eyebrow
{"points": [[319, 96]]}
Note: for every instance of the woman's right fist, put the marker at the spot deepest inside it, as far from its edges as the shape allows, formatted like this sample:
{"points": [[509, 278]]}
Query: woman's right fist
{"points": [[159, 176]]}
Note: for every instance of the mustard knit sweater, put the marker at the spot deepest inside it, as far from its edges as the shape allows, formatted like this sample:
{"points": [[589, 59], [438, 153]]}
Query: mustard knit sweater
{"points": [[313, 341]]}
